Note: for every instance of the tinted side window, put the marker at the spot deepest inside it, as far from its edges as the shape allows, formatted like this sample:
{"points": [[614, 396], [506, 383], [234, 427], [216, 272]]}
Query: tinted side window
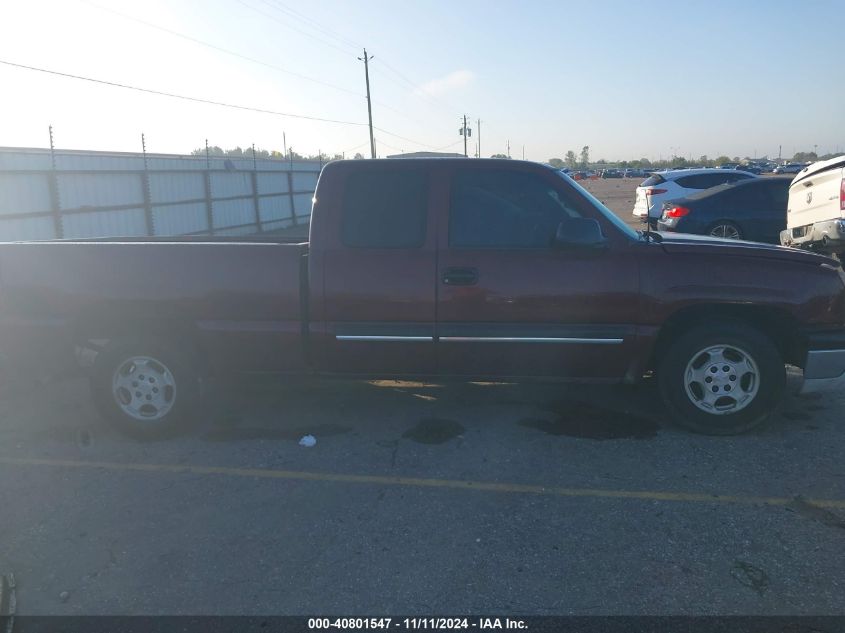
{"points": [[711, 180], [505, 209], [384, 209], [654, 179], [736, 176], [749, 196], [779, 194], [691, 182]]}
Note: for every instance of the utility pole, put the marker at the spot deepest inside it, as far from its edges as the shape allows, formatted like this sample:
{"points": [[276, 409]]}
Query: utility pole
{"points": [[509, 148], [523, 152], [478, 136], [465, 132], [366, 60], [284, 145]]}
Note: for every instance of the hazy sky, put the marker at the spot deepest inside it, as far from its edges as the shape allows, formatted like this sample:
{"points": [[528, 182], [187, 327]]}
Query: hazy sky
{"points": [[628, 78]]}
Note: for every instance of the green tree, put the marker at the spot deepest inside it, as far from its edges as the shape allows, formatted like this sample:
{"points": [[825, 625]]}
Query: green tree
{"points": [[585, 156], [499, 156], [721, 159], [214, 150], [556, 163], [804, 157], [570, 160], [358, 156]]}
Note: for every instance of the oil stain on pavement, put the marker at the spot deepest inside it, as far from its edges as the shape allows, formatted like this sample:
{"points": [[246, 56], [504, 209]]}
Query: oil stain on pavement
{"points": [[434, 431], [751, 576], [577, 419]]}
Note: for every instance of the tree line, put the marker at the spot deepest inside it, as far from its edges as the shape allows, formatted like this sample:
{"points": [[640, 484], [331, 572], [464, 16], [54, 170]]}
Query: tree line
{"points": [[238, 152], [582, 161], [570, 159]]}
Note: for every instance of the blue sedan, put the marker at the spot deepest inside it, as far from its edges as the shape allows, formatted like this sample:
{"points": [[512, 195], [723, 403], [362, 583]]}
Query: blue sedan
{"points": [[753, 209]]}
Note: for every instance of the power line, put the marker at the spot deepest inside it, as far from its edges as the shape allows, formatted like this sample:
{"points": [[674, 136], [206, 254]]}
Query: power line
{"points": [[280, 6], [404, 138], [293, 28], [244, 57], [177, 96], [220, 48], [352, 149], [313, 24], [415, 88], [206, 101]]}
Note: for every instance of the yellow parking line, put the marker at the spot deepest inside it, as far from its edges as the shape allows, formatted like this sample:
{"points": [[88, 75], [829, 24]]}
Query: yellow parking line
{"points": [[483, 486]]}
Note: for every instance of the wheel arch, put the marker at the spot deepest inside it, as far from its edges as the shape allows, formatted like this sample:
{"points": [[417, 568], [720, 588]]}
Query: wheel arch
{"points": [[775, 323], [96, 333]]}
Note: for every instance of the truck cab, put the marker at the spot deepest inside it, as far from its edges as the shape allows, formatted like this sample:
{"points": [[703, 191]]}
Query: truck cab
{"points": [[482, 268]]}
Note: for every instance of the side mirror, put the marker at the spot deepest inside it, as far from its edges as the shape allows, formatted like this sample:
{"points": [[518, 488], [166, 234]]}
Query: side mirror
{"points": [[579, 234]]}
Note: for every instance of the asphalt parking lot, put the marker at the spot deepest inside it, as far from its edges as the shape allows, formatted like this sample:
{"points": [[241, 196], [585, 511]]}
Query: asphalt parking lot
{"points": [[421, 498]]}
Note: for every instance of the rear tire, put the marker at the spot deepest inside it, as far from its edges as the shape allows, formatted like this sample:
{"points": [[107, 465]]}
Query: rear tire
{"points": [[721, 379], [146, 388]]}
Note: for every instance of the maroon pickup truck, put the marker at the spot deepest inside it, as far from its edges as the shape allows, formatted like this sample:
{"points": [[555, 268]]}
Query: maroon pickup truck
{"points": [[459, 269]]}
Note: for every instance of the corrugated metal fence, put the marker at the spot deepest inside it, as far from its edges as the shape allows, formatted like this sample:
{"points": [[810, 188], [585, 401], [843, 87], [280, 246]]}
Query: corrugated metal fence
{"points": [[78, 194]]}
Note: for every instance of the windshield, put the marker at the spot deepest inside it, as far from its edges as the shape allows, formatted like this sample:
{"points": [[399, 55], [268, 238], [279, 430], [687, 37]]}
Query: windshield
{"points": [[609, 215]]}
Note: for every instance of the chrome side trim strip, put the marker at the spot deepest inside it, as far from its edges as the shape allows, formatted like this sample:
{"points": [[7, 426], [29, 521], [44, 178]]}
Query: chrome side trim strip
{"points": [[528, 339], [481, 339], [406, 339]]}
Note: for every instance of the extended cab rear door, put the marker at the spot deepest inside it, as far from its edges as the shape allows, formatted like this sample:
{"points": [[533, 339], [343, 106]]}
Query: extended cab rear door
{"points": [[508, 303], [373, 252]]}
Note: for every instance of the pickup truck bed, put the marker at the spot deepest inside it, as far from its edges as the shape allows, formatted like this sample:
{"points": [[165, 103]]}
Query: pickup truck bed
{"points": [[243, 300]]}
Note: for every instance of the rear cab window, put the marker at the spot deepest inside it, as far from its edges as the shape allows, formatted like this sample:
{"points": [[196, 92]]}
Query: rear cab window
{"points": [[385, 208]]}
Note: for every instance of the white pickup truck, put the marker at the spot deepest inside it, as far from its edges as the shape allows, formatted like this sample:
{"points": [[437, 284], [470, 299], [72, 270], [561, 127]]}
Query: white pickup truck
{"points": [[815, 214]]}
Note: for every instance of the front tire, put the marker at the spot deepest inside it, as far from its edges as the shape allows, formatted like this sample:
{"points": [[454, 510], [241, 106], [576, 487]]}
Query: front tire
{"points": [[721, 379], [146, 388]]}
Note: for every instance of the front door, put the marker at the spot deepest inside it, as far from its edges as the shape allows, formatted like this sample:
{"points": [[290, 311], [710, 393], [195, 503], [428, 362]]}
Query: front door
{"points": [[510, 303]]}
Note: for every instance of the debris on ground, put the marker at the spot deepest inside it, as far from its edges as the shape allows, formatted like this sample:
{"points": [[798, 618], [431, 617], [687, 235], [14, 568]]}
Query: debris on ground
{"points": [[308, 441]]}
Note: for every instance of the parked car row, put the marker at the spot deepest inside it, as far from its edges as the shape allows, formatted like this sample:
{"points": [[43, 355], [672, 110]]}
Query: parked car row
{"points": [[807, 211], [582, 174], [789, 168], [677, 183]]}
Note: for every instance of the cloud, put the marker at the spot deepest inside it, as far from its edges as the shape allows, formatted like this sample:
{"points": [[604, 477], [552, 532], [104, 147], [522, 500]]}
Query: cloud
{"points": [[442, 85]]}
